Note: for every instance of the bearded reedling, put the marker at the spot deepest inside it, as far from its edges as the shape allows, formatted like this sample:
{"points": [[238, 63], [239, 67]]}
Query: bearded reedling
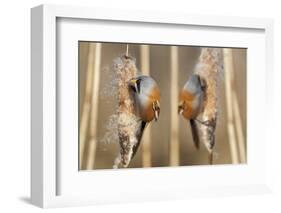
{"points": [[191, 100]]}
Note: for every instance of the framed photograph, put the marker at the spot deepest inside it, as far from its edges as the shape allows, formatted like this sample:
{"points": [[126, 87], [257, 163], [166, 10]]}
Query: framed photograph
{"points": [[129, 106]]}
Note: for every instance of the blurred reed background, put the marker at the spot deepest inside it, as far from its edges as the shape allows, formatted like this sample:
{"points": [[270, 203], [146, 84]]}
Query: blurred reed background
{"points": [[167, 142]]}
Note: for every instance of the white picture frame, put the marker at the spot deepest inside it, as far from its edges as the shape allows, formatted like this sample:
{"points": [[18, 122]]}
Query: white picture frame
{"points": [[47, 174]]}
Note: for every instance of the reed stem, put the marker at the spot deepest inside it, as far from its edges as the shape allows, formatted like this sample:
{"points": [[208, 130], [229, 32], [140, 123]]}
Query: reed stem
{"points": [[229, 70], [146, 141], [174, 140], [94, 107], [239, 129], [86, 106]]}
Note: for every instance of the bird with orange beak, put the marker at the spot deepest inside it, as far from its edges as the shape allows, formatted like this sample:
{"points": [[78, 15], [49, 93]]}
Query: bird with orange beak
{"points": [[146, 95], [191, 101]]}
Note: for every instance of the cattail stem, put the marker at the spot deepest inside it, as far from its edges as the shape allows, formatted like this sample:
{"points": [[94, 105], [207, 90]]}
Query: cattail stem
{"points": [[174, 140], [94, 108], [228, 65], [146, 141], [127, 50]]}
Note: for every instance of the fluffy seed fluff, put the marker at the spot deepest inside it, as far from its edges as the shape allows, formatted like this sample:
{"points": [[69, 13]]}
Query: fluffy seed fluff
{"points": [[128, 123], [210, 68]]}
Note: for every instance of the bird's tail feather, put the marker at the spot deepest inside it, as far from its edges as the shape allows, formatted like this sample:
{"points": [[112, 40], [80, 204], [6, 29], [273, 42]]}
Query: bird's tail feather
{"points": [[195, 133], [139, 135]]}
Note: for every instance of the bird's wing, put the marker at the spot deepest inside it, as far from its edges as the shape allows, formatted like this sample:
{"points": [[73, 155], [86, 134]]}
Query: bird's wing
{"points": [[195, 133], [139, 135]]}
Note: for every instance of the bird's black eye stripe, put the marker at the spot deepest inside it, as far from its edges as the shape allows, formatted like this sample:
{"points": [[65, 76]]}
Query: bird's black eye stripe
{"points": [[202, 82], [133, 88], [138, 84]]}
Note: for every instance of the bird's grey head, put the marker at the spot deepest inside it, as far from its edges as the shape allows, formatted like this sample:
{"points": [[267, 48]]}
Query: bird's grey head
{"points": [[194, 84], [147, 96], [142, 84]]}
